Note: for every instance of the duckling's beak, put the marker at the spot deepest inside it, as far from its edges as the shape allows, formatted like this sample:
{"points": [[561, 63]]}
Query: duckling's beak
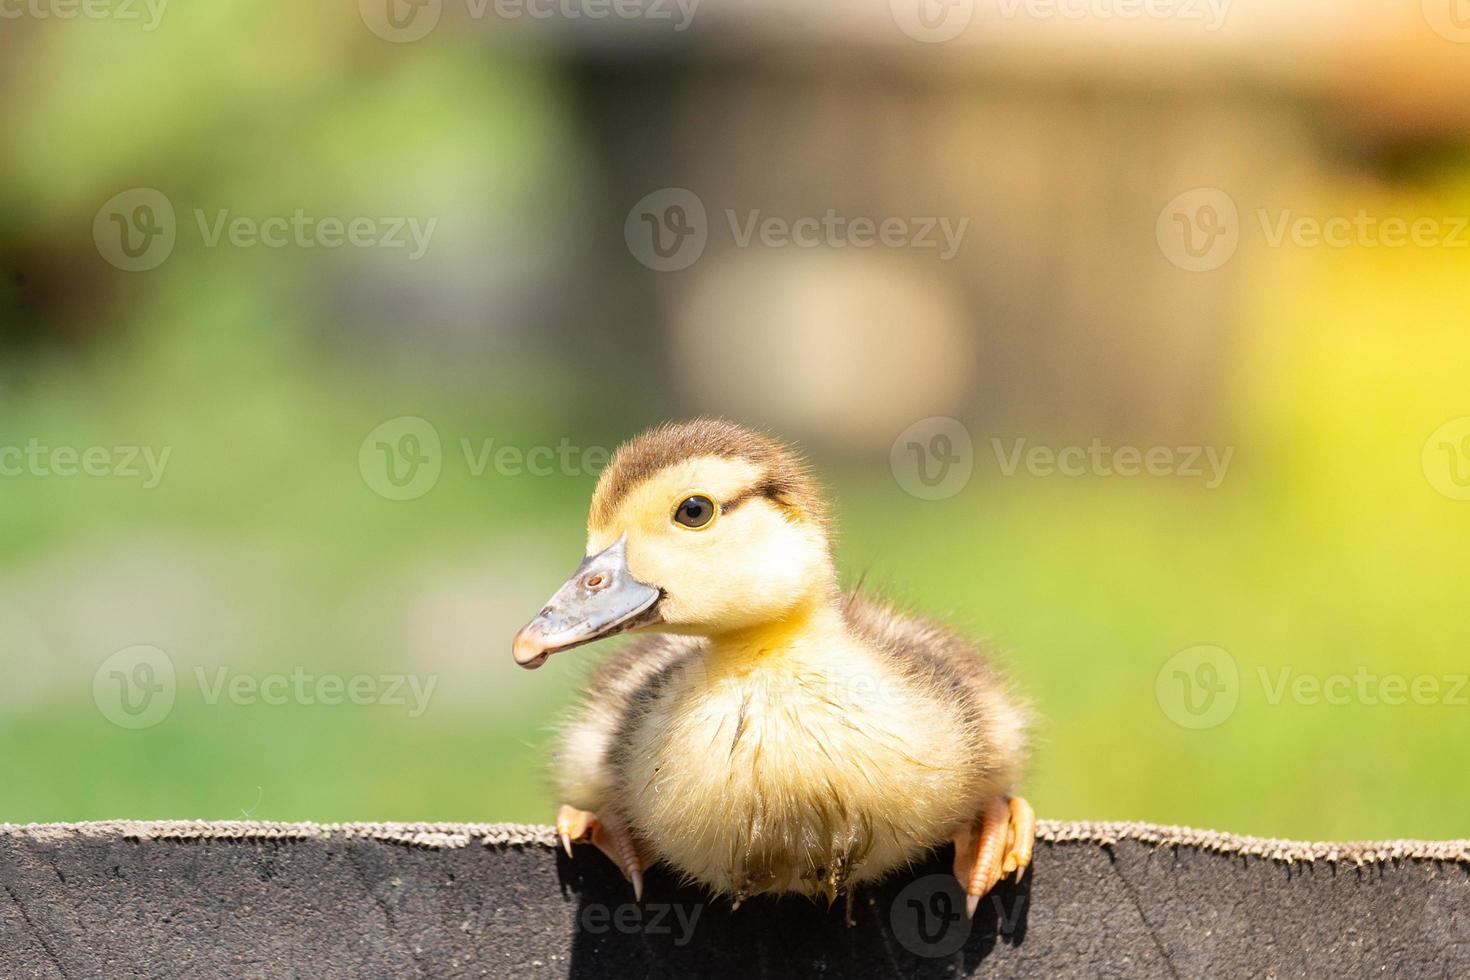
{"points": [[600, 599]]}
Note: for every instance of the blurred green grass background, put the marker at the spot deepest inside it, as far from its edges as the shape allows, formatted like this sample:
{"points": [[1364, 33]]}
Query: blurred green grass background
{"points": [[264, 550]]}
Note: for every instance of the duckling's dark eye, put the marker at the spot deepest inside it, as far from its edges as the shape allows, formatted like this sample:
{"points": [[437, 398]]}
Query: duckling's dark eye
{"points": [[695, 511]]}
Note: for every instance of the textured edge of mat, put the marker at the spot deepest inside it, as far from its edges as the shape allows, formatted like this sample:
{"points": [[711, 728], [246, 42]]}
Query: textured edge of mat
{"points": [[454, 835]]}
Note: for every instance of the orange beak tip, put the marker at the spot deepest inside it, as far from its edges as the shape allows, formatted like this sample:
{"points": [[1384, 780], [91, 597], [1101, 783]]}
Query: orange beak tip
{"points": [[529, 648]]}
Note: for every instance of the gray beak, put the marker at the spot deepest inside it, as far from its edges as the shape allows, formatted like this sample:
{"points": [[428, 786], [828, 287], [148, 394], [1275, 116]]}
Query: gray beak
{"points": [[602, 598]]}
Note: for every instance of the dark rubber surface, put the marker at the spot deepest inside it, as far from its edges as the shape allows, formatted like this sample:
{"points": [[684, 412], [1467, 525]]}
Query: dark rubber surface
{"points": [[74, 906]]}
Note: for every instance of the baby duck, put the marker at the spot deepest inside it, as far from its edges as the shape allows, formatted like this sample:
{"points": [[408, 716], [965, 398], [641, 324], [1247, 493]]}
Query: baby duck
{"points": [[770, 734]]}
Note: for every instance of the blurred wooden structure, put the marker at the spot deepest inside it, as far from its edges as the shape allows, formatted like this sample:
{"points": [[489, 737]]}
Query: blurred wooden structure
{"points": [[1060, 131]]}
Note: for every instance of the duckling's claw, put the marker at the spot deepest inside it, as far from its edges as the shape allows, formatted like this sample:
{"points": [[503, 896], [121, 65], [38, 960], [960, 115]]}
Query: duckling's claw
{"points": [[573, 824], [1021, 840], [978, 866], [636, 877], [996, 845], [616, 841], [611, 838]]}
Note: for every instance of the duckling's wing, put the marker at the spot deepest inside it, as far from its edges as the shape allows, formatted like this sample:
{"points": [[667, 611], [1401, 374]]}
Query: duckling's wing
{"points": [[584, 768], [629, 669], [951, 668]]}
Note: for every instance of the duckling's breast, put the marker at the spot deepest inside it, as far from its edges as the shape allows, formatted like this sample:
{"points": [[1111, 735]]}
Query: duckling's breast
{"points": [[797, 775]]}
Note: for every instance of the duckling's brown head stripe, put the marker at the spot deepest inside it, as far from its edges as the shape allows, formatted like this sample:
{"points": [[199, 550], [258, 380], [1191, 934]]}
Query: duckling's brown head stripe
{"points": [[784, 476]]}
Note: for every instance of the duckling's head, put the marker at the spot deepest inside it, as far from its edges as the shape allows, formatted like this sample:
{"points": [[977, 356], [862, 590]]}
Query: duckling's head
{"points": [[701, 527]]}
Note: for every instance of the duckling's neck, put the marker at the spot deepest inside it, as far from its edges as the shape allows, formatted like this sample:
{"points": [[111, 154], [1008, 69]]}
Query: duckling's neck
{"points": [[811, 628]]}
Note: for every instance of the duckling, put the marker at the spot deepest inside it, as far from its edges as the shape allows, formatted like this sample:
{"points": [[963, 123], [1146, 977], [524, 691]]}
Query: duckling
{"points": [[768, 733]]}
